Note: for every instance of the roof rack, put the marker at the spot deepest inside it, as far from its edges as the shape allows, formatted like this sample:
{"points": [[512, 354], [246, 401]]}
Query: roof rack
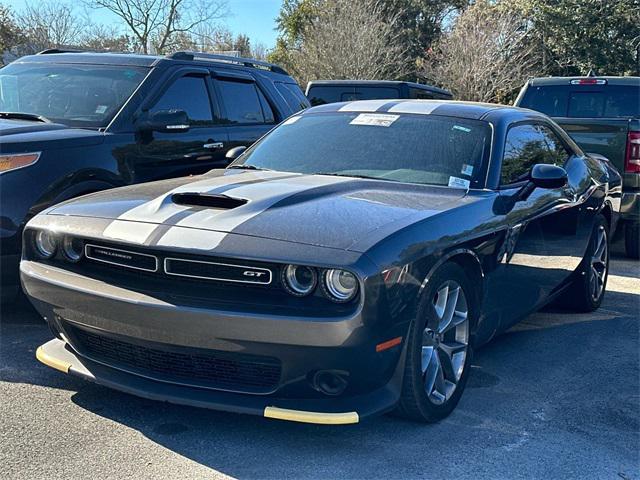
{"points": [[247, 62], [59, 50]]}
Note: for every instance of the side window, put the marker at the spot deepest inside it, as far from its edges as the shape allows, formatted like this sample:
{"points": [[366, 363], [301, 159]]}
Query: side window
{"points": [[244, 103], [191, 95], [527, 145], [292, 95], [419, 93]]}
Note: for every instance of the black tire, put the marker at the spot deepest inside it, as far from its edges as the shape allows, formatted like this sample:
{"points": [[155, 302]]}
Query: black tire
{"points": [[580, 296], [415, 404], [632, 239]]}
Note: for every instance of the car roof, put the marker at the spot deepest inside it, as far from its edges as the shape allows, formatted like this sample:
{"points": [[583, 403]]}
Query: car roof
{"points": [[567, 80], [450, 108], [139, 60], [372, 83]]}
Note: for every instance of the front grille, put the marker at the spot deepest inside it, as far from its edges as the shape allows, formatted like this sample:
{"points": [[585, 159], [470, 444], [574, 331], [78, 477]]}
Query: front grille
{"points": [[197, 367]]}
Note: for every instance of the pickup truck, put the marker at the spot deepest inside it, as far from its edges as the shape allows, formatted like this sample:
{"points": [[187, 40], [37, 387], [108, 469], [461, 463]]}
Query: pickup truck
{"points": [[602, 115]]}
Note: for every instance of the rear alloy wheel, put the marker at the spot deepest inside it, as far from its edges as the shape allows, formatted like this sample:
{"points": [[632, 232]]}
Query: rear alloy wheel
{"points": [[587, 291], [439, 347]]}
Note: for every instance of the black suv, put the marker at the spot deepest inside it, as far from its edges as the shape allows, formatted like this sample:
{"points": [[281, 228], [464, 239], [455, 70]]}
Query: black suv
{"points": [[320, 92], [73, 123]]}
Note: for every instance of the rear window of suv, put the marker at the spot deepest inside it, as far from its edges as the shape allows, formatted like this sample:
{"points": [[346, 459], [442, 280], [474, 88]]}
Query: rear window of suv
{"points": [[583, 101]]}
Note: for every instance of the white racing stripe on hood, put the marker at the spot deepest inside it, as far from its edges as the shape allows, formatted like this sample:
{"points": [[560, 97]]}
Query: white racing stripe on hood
{"points": [[261, 196], [130, 232], [130, 225]]}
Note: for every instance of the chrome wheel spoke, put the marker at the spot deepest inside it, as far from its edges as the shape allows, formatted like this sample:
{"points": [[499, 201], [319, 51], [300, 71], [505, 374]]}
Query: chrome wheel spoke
{"points": [[455, 354], [598, 270], [430, 367]]}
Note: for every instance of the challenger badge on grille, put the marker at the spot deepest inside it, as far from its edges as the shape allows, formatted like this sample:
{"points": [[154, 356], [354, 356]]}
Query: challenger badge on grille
{"points": [[125, 258]]}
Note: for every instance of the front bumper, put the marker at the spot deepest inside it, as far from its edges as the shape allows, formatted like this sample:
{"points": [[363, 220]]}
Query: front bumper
{"points": [[303, 346], [59, 355]]}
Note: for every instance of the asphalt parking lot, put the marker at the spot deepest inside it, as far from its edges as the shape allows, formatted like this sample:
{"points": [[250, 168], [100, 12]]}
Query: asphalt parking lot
{"points": [[558, 396]]}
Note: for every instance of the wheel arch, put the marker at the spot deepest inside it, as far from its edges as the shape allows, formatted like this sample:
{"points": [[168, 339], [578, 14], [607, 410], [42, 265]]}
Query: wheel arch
{"points": [[469, 262]]}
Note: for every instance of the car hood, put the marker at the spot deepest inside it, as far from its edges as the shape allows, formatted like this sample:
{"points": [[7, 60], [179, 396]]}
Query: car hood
{"points": [[328, 211], [18, 135]]}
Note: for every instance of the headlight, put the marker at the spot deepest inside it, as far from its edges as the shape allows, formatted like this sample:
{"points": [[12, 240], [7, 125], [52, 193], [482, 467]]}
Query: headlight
{"points": [[46, 243], [72, 248], [17, 160], [299, 280], [341, 285]]}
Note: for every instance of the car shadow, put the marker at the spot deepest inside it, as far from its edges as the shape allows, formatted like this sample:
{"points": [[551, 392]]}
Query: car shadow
{"points": [[573, 376], [513, 388]]}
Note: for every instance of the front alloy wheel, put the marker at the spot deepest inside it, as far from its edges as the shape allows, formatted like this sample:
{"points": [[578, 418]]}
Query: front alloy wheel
{"points": [[438, 349], [445, 341]]}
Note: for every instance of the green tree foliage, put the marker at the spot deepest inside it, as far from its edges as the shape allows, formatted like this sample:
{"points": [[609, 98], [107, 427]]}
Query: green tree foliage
{"points": [[575, 36], [421, 21]]}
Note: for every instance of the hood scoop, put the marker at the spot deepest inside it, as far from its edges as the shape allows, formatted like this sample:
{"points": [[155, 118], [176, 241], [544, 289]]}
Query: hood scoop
{"points": [[208, 200]]}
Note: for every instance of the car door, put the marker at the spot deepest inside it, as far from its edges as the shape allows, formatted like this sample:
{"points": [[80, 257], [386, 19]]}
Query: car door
{"points": [[543, 242], [199, 149], [245, 110]]}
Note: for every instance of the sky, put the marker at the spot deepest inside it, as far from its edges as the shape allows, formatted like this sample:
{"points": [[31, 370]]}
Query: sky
{"points": [[255, 18]]}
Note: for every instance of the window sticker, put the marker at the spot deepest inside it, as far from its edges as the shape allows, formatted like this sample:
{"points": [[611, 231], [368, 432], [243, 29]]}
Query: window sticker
{"points": [[467, 169], [457, 182], [461, 128], [291, 120], [375, 119], [101, 108]]}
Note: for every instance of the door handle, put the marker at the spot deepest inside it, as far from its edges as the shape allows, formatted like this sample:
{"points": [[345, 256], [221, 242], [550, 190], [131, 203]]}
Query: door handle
{"points": [[214, 145]]}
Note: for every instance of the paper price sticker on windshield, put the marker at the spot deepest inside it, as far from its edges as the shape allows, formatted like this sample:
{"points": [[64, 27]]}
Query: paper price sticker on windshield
{"points": [[375, 119], [457, 182]]}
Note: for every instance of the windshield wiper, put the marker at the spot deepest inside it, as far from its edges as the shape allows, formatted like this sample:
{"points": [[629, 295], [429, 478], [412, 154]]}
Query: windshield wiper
{"points": [[25, 116], [243, 166]]}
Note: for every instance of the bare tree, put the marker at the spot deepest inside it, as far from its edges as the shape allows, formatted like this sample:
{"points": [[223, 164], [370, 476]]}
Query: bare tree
{"points": [[100, 37], [158, 23], [351, 39], [485, 57], [50, 24]]}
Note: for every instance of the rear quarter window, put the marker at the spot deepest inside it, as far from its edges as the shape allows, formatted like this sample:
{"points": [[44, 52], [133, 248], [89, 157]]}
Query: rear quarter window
{"points": [[583, 101]]}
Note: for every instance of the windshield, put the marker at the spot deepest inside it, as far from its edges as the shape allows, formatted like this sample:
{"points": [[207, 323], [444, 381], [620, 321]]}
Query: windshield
{"points": [[75, 95], [426, 149]]}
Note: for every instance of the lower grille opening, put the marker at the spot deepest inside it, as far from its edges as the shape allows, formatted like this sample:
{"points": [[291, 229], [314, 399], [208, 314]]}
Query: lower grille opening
{"points": [[213, 369]]}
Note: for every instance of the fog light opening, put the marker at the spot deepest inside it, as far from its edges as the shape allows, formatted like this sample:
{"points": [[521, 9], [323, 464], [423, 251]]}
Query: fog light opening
{"points": [[330, 382]]}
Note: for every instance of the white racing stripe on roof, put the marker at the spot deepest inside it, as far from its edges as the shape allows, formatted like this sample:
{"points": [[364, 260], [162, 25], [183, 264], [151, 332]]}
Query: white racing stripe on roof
{"points": [[419, 107], [261, 196], [364, 106]]}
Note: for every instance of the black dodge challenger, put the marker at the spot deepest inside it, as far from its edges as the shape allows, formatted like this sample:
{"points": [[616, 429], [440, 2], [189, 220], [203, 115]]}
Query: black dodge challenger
{"points": [[346, 265]]}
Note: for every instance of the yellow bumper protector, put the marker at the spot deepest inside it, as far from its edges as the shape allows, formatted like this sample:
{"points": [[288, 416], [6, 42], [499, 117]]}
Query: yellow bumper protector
{"points": [[311, 417], [52, 362]]}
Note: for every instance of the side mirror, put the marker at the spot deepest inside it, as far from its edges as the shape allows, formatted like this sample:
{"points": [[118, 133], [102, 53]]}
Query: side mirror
{"points": [[168, 121], [542, 175], [548, 176], [235, 152]]}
